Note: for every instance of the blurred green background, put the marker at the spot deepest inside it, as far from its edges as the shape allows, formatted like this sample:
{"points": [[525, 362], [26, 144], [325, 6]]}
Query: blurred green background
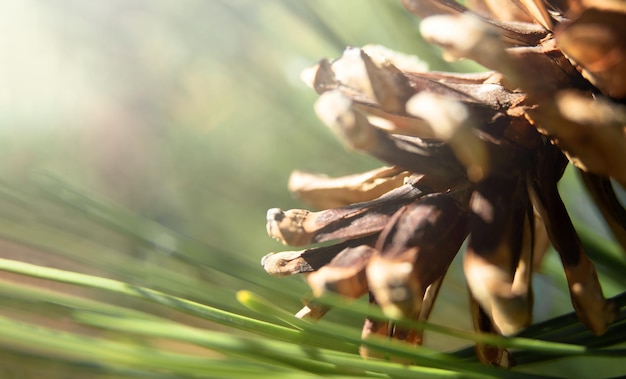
{"points": [[144, 140]]}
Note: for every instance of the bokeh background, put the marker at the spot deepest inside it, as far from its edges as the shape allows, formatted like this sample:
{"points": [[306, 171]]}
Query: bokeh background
{"points": [[145, 140]]}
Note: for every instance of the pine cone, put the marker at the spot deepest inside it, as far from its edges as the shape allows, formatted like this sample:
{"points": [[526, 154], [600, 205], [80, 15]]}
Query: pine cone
{"points": [[473, 156]]}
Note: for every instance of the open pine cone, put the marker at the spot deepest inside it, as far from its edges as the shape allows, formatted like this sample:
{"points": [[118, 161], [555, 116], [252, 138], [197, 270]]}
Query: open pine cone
{"points": [[475, 155]]}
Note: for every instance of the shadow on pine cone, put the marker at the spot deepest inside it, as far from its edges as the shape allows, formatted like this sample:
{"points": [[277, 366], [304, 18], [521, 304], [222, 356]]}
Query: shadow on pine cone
{"points": [[475, 155]]}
